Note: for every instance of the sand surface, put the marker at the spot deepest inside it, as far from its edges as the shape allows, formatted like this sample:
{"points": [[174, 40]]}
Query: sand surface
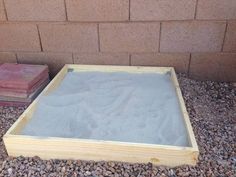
{"points": [[140, 108]]}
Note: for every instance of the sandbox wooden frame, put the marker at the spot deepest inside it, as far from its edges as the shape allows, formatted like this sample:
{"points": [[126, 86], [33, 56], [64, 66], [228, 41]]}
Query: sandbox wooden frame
{"points": [[98, 150]]}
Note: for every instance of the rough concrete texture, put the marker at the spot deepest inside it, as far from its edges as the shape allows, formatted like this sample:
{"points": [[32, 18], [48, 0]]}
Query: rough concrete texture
{"points": [[179, 61], [2, 11], [162, 10], [194, 36], [216, 9], [230, 39], [19, 37], [212, 66], [55, 61], [102, 10], [69, 37], [101, 58], [129, 37], [37, 10], [7, 57]]}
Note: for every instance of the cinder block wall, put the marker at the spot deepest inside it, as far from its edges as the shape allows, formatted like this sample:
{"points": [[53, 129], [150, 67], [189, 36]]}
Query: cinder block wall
{"points": [[197, 37]]}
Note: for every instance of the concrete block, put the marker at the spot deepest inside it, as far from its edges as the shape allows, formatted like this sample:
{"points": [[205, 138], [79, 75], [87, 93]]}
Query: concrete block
{"points": [[162, 10], [230, 38], [7, 57], [2, 11], [192, 36], [216, 9], [69, 37], [93, 10], [102, 58], [55, 61], [35, 10], [129, 37], [213, 66], [179, 61], [19, 37]]}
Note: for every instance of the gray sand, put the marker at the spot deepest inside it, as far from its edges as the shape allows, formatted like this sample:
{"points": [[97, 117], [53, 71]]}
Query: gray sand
{"points": [[141, 108]]}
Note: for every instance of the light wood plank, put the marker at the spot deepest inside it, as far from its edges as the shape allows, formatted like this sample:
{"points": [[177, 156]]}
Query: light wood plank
{"points": [[184, 110], [129, 69], [60, 148]]}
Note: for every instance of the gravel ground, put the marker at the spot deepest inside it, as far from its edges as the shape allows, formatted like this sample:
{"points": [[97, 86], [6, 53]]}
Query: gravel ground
{"points": [[212, 109]]}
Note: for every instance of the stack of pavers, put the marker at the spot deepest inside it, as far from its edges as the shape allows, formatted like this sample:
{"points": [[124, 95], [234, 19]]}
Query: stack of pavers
{"points": [[20, 84]]}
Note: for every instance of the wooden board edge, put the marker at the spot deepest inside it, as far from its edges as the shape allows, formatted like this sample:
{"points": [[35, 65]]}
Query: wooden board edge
{"points": [[115, 68], [76, 140], [184, 111], [98, 151]]}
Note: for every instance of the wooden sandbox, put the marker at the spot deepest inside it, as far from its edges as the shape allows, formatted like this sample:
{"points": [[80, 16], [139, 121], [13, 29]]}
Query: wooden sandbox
{"points": [[99, 150]]}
